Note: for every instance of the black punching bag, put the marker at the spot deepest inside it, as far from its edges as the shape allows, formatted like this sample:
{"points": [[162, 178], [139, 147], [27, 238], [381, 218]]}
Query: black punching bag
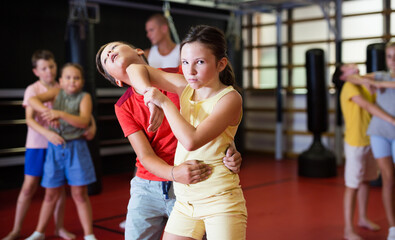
{"points": [[375, 57], [317, 161]]}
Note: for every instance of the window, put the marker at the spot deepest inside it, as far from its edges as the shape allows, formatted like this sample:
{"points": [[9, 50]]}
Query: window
{"points": [[309, 29], [302, 28]]}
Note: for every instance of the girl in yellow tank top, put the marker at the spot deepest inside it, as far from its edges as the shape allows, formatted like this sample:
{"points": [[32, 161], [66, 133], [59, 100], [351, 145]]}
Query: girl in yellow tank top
{"points": [[211, 111]]}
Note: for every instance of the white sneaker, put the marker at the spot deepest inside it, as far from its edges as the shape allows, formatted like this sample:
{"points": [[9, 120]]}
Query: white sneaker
{"points": [[391, 233], [122, 224], [36, 236], [90, 237]]}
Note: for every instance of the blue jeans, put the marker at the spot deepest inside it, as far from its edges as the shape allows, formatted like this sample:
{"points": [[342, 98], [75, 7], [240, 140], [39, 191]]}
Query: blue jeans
{"points": [[148, 209]]}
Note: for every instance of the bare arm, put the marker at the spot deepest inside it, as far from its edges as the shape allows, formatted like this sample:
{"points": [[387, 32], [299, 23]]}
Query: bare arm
{"points": [[48, 134], [226, 113], [373, 109], [82, 120], [360, 80], [143, 76], [36, 102], [188, 172], [366, 80], [385, 84]]}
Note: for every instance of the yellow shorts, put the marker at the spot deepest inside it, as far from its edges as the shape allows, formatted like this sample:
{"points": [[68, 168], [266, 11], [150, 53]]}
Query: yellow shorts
{"points": [[222, 216]]}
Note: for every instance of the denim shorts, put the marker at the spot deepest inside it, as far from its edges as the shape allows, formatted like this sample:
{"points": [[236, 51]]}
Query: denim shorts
{"points": [[68, 163], [34, 161], [382, 147], [148, 209]]}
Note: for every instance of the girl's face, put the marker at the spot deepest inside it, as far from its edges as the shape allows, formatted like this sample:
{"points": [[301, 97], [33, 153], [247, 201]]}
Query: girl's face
{"points": [[71, 80], [45, 70], [390, 58], [116, 57], [199, 65]]}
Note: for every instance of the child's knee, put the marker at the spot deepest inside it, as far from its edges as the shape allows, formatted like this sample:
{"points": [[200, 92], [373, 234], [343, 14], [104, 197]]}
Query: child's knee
{"points": [[28, 191], [51, 196], [79, 194], [29, 187], [80, 198]]}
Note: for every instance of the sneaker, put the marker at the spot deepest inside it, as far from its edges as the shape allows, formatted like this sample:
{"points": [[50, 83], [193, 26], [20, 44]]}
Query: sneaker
{"points": [[391, 233], [90, 237], [36, 236], [122, 224]]}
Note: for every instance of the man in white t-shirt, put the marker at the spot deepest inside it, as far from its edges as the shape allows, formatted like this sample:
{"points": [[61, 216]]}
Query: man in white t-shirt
{"points": [[164, 52]]}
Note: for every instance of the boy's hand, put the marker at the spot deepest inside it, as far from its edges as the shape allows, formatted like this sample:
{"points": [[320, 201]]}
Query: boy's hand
{"points": [[232, 159], [90, 133], [50, 114], [54, 138], [54, 124], [191, 171], [156, 117]]}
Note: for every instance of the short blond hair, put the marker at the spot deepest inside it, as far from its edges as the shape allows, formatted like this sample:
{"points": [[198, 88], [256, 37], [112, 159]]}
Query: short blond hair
{"points": [[159, 18]]}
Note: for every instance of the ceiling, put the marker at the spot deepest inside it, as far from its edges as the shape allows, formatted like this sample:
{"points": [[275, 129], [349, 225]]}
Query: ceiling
{"points": [[250, 5]]}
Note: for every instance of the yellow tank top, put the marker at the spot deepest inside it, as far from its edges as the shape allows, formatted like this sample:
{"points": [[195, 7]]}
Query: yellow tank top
{"points": [[356, 119], [221, 179]]}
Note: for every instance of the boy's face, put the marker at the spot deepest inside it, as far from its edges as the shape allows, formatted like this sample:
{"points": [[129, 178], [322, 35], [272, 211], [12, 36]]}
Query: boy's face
{"points": [[116, 57], [390, 58], [155, 31], [71, 80], [45, 70]]}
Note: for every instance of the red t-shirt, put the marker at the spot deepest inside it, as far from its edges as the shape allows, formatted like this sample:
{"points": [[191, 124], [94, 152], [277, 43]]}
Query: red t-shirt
{"points": [[133, 116]]}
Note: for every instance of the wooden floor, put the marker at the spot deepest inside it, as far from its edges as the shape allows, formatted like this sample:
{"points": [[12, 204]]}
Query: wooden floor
{"points": [[281, 205]]}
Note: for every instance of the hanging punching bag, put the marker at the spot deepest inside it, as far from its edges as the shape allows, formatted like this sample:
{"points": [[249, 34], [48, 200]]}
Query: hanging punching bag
{"points": [[317, 161], [375, 57]]}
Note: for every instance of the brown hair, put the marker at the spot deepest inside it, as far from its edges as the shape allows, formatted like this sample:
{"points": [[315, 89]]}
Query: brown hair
{"points": [[100, 67], [99, 64], [214, 39], [76, 65], [41, 54]]}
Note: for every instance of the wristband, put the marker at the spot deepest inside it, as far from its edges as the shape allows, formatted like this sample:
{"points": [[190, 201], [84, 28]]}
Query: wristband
{"points": [[172, 175]]}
